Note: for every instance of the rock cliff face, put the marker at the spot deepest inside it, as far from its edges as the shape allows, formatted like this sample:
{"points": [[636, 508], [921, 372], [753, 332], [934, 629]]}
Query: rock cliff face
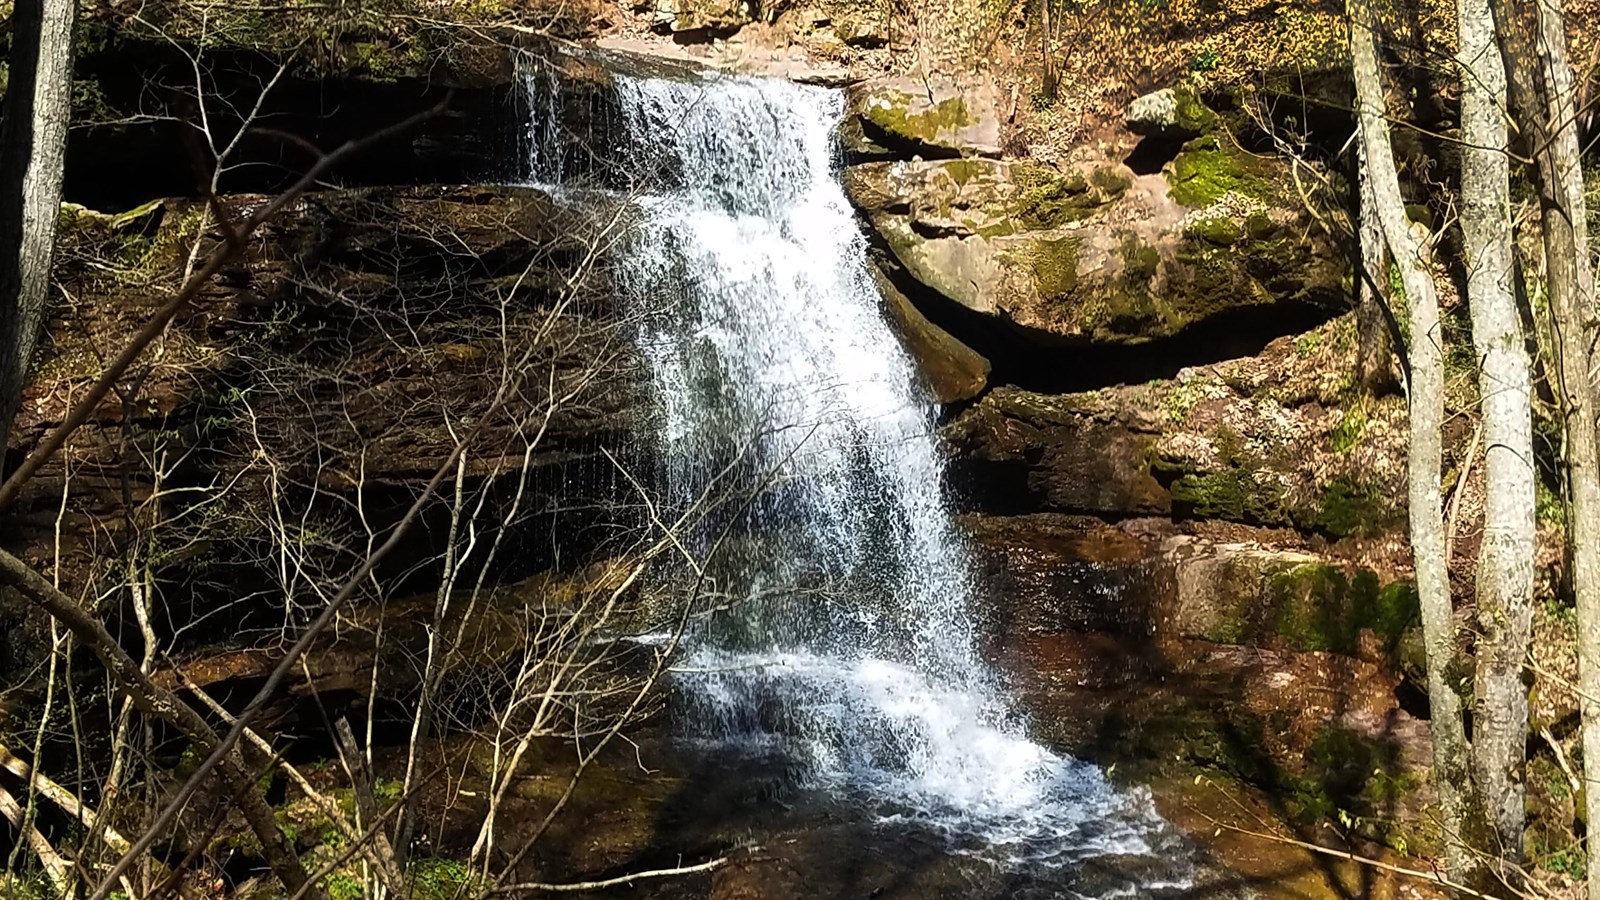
{"points": [[1176, 487], [323, 378], [1087, 274]]}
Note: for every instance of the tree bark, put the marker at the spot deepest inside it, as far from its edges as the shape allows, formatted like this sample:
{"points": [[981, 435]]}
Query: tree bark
{"points": [[1505, 561], [1533, 43], [33, 142], [1049, 41], [1374, 344], [1426, 398]]}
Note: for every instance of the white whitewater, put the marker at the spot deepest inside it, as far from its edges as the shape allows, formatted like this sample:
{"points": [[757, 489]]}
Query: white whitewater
{"points": [[848, 648]]}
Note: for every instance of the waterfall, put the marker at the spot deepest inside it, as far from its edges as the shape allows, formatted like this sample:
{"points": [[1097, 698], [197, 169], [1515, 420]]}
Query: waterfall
{"points": [[848, 647]]}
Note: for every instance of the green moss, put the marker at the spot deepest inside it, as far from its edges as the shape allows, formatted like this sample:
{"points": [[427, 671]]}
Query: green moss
{"points": [[1054, 265], [963, 171], [1259, 226], [1208, 169], [1192, 113], [891, 112], [1111, 181], [1232, 494], [1320, 607], [1358, 781], [1219, 230], [1350, 508], [1139, 260], [1049, 199]]}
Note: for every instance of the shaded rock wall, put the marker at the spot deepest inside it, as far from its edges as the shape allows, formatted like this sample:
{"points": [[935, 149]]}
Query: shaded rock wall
{"points": [[143, 140], [319, 382]]}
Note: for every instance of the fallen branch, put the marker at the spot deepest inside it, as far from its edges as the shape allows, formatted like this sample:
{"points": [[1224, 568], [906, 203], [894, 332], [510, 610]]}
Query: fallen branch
{"points": [[708, 866], [57, 869], [61, 797]]}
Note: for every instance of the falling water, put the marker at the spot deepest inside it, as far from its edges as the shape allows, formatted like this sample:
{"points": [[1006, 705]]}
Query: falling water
{"points": [[848, 647]]}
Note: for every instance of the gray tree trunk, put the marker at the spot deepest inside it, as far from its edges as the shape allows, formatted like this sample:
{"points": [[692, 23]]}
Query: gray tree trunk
{"points": [[1426, 398], [1374, 344], [33, 142], [1505, 562], [1533, 43]]}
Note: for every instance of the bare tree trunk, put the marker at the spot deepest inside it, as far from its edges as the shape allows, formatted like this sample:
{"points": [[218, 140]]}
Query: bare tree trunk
{"points": [[33, 144], [1426, 396], [1374, 345], [1505, 562], [1049, 41], [1534, 44]]}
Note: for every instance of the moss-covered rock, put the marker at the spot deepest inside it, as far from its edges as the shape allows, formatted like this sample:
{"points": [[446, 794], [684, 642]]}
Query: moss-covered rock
{"points": [[1054, 249], [1297, 601], [1210, 167], [1170, 113], [938, 117]]}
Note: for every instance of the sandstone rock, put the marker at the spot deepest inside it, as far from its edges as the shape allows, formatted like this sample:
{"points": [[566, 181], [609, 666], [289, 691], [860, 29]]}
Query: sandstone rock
{"points": [[954, 371], [935, 118], [1170, 113], [712, 16], [1273, 440], [1029, 452], [1261, 596], [858, 29], [1048, 249]]}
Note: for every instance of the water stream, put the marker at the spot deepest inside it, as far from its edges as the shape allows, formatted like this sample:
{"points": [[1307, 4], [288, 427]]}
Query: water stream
{"points": [[848, 650]]}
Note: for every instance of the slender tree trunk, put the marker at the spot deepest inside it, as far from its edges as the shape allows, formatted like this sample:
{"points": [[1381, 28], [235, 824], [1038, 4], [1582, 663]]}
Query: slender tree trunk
{"points": [[1049, 41], [1426, 397], [1505, 562], [1534, 45], [1374, 344], [33, 143]]}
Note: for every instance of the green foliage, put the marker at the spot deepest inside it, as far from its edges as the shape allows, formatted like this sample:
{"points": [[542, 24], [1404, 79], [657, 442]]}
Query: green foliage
{"points": [[344, 886], [388, 790], [1548, 506], [441, 879], [16, 886], [1352, 425]]}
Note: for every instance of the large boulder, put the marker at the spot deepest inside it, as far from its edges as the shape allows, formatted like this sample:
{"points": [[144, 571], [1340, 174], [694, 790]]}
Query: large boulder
{"points": [[937, 117], [1170, 113], [1094, 254]]}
